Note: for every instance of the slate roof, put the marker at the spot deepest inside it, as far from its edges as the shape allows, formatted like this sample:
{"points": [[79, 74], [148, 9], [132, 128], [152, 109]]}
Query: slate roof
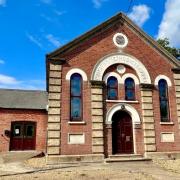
{"points": [[23, 99]]}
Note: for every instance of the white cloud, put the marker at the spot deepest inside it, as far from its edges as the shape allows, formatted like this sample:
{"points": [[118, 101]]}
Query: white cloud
{"points": [[3, 3], [140, 14], [98, 3], [8, 80], [170, 24], [59, 13], [46, 1], [2, 61], [53, 40], [34, 40], [12, 83]]}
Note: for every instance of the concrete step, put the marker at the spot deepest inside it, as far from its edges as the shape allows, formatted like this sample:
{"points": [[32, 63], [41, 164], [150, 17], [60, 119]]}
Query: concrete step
{"points": [[111, 160], [126, 158]]}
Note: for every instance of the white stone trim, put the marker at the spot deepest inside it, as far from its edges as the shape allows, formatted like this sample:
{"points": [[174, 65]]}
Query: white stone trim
{"points": [[166, 139], [120, 58], [128, 108], [76, 70], [117, 76], [131, 111], [120, 45], [129, 75], [81, 141], [159, 77], [122, 101]]}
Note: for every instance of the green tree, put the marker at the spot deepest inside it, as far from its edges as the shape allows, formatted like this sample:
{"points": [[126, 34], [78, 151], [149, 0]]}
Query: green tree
{"points": [[166, 44]]}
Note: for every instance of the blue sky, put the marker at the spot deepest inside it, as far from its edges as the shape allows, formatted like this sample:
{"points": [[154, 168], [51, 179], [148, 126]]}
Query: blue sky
{"points": [[32, 28]]}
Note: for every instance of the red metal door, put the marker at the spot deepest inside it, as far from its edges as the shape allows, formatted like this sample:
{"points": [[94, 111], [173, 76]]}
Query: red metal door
{"points": [[122, 134], [23, 136]]}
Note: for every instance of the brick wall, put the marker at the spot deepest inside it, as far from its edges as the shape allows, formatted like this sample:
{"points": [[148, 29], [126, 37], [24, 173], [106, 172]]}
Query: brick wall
{"points": [[85, 56], [9, 115]]}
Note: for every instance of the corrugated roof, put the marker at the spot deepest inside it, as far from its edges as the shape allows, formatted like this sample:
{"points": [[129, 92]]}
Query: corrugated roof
{"points": [[23, 99]]}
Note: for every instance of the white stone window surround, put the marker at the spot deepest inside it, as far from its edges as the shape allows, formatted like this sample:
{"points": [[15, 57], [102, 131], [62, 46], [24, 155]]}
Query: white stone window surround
{"points": [[159, 77], [121, 81], [80, 138], [113, 74], [78, 71], [120, 45], [156, 82], [171, 140], [130, 75]]}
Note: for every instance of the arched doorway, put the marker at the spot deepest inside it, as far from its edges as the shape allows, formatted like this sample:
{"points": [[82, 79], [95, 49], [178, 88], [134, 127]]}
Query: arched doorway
{"points": [[122, 133]]}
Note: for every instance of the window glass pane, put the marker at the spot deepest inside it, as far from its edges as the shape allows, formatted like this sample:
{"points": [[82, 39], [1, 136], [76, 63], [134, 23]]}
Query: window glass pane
{"points": [[112, 82], [164, 109], [129, 83], [76, 85], [112, 94], [130, 95], [129, 89], [162, 89], [75, 108], [112, 88], [163, 97], [29, 131]]}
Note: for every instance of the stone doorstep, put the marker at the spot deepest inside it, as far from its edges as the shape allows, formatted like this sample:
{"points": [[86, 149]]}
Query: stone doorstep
{"points": [[88, 158], [126, 158]]}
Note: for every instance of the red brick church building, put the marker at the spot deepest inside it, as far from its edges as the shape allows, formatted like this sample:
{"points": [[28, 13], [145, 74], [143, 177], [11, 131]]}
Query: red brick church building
{"points": [[111, 91]]}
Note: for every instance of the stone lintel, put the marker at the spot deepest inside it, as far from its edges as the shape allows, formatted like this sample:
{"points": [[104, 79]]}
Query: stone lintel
{"points": [[176, 70], [97, 83], [146, 87]]}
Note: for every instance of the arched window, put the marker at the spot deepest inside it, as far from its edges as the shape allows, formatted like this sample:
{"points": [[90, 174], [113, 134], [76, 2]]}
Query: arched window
{"points": [[112, 88], [129, 89], [76, 97], [163, 100]]}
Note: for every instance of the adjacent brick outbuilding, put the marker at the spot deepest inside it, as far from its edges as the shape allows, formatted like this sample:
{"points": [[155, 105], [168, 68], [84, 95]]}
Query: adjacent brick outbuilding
{"points": [[23, 108]]}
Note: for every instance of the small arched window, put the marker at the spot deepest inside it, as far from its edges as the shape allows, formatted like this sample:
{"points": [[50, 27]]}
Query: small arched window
{"points": [[76, 97], [112, 88], [129, 89], [163, 100]]}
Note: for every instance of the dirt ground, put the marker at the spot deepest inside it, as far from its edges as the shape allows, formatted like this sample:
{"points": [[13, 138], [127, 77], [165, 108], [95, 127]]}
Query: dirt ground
{"points": [[157, 170]]}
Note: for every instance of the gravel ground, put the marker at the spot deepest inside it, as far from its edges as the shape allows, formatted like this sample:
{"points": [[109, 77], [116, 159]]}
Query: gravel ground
{"points": [[158, 170], [170, 165], [81, 174]]}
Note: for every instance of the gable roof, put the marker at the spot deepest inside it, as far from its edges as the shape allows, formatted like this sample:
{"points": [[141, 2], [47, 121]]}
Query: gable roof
{"points": [[23, 99], [120, 17]]}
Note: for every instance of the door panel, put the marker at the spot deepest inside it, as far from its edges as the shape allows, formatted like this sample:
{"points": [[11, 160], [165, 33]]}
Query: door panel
{"points": [[23, 136], [122, 135]]}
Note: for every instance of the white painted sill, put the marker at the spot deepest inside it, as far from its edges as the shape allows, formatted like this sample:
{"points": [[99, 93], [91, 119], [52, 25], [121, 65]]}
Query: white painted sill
{"points": [[122, 101], [76, 122], [167, 123]]}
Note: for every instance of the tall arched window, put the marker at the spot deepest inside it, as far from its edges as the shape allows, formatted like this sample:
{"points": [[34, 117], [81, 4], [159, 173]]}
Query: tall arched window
{"points": [[76, 97], [163, 100], [129, 89], [112, 88]]}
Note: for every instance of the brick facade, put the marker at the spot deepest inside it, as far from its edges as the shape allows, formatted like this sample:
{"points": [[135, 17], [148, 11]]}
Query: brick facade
{"points": [[85, 54]]}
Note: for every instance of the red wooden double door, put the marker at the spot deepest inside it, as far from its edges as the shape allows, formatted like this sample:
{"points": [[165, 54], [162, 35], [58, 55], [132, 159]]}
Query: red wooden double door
{"points": [[23, 136], [122, 133]]}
